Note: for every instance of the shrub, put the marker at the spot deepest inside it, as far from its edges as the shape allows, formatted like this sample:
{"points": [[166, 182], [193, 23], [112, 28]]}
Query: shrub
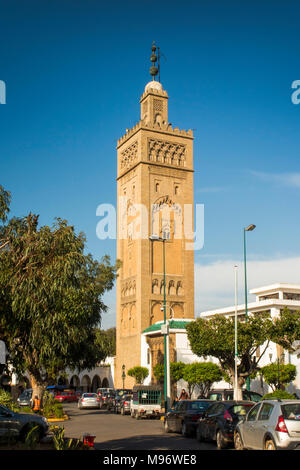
{"points": [[282, 394], [52, 409], [7, 401]]}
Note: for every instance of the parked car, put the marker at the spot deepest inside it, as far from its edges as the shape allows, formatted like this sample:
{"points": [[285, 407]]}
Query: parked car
{"points": [[219, 421], [25, 398], [66, 396], [89, 400], [270, 425], [227, 394], [120, 392], [106, 399], [19, 424], [125, 404], [102, 390], [184, 417]]}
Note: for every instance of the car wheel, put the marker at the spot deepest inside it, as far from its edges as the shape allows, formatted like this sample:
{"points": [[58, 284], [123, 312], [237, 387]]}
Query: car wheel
{"points": [[199, 436], [166, 426], [269, 444], [221, 444], [184, 430], [238, 443]]}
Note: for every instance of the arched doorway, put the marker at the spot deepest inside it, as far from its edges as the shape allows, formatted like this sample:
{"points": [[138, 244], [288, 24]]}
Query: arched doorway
{"points": [[75, 382], [86, 384], [105, 383], [96, 383]]}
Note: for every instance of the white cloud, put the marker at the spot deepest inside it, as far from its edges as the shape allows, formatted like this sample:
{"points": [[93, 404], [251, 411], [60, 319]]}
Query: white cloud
{"points": [[283, 179], [214, 282]]}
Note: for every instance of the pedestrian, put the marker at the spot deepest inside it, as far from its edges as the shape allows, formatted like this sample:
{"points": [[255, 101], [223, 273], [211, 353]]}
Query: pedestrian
{"points": [[36, 404], [184, 395]]}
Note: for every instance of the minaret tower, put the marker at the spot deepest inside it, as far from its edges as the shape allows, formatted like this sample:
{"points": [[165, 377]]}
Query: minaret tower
{"points": [[154, 173]]}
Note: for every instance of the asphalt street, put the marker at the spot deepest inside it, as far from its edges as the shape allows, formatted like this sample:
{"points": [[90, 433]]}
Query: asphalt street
{"points": [[116, 432]]}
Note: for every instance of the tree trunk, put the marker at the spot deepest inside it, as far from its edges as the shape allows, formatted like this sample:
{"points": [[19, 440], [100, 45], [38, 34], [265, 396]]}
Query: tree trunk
{"points": [[38, 387]]}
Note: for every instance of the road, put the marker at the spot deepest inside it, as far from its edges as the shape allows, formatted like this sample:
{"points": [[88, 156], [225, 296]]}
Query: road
{"points": [[116, 432]]}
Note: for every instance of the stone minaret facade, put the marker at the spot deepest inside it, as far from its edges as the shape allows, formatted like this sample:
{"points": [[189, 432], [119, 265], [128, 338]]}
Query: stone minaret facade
{"points": [[155, 185]]}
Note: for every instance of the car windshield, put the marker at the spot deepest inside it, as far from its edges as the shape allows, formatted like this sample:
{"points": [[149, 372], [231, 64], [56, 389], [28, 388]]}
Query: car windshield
{"points": [[89, 395], [199, 405], [291, 411], [241, 410]]}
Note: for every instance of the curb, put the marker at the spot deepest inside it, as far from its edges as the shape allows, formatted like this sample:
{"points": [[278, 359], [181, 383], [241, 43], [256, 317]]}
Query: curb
{"points": [[65, 418]]}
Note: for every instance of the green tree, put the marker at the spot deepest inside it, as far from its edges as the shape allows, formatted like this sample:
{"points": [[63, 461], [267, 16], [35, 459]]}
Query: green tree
{"points": [[176, 371], [215, 337], [50, 298], [203, 375], [285, 330], [106, 341], [5, 198], [139, 373], [287, 373]]}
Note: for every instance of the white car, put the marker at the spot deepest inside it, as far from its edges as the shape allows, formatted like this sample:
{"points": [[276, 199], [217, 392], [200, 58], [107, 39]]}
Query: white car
{"points": [[89, 400]]}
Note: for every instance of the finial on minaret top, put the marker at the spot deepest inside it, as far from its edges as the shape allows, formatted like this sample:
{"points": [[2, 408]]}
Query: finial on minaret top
{"points": [[153, 58]]}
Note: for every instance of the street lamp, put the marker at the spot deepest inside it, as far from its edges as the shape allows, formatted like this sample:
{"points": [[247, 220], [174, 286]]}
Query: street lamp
{"points": [[236, 391], [123, 375], [250, 228], [163, 239]]}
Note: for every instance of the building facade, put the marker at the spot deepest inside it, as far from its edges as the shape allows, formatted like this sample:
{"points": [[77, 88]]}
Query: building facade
{"points": [[154, 189]]}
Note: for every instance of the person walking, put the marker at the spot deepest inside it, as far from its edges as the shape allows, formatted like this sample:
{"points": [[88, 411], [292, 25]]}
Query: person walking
{"points": [[36, 404]]}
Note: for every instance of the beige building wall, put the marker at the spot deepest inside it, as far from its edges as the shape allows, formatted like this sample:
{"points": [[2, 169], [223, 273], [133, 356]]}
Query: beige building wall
{"points": [[155, 172]]}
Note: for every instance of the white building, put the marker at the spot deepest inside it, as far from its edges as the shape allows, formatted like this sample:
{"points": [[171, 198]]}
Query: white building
{"points": [[272, 299]]}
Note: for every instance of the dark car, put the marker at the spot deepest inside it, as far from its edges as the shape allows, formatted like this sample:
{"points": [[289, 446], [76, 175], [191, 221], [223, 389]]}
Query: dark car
{"points": [[227, 394], [185, 415], [220, 420], [125, 404], [19, 424], [106, 400], [119, 393]]}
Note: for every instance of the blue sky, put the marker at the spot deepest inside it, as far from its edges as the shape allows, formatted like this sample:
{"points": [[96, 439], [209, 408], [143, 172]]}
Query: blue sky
{"points": [[74, 73]]}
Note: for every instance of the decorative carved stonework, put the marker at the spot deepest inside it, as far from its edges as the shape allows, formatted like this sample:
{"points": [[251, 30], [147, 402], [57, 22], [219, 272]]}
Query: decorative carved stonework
{"points": [[166, 152], [129, 156]]}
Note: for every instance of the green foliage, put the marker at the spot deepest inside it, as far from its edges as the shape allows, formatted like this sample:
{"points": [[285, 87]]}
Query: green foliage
{"points": [[282, 394], [106, 341], [215, 337], [6, 400], [139, 373], [286, 329], [287, 373], [32, 438], [176, 371], [50, 297], [5, 198], [203, 374], [60, 442], [51, 408]]}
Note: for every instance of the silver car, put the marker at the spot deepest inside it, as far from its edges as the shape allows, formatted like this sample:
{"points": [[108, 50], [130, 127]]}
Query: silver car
{"points": [[89, 400], [19, 424], [25, 398], [270, 425]]}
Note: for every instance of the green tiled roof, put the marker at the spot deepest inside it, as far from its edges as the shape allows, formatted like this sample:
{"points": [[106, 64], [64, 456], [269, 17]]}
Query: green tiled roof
{"points": [[174, 325]]}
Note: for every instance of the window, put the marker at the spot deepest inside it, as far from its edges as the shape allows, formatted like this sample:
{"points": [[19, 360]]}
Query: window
{"points": [[240, 410], [157, 187], [291, 411], [265, 412], [216, 409], [253, 413], [215, 396]]}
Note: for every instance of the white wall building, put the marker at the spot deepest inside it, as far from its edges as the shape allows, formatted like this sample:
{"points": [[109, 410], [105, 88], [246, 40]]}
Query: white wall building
{"points": [[273, 299]]}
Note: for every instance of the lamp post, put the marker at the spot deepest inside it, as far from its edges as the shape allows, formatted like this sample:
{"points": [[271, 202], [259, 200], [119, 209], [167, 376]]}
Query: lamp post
{"points": [[250, 228], [123, 375], [236, 390], [165, 332]]}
